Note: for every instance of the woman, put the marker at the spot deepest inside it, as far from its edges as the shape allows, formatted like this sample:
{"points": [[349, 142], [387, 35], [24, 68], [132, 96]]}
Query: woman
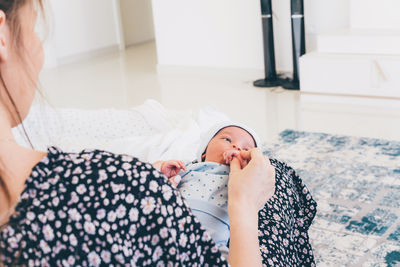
{"points": [[96, 208]]}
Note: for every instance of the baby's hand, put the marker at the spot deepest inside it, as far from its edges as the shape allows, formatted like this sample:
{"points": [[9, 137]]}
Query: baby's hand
{"points": [[171, 168], [230, 154]]}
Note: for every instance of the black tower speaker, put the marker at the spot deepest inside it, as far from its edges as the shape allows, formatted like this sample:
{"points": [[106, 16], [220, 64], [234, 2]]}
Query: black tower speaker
{"points": [[271, 78], [298, 42]]}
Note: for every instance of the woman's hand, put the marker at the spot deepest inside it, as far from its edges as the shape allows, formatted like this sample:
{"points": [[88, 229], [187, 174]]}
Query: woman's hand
{"points": [[253, 185]]}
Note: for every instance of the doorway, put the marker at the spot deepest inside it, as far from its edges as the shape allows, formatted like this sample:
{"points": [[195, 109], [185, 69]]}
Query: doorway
{"points": [[137, 21]]}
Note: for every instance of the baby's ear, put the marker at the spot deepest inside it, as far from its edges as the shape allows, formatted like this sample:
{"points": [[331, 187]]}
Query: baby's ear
{"points": [[203, 157]]}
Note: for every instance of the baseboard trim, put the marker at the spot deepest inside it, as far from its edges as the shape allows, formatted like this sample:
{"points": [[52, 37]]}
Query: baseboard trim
{"points": [[88, 54], [203, 70]]}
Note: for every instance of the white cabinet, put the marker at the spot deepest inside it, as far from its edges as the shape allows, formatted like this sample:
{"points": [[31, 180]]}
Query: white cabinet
{"points": [[350, 74]]}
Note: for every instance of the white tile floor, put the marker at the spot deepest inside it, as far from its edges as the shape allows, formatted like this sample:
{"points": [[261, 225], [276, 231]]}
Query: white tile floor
{"points": [[128, 78]]}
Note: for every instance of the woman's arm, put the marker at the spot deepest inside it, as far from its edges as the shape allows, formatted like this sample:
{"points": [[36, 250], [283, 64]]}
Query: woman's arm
{"points": [[243, 247], [248, 190]]}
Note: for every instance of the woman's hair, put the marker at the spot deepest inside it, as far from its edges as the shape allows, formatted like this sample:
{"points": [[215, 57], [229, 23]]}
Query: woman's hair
{"points": [[11, 8]]}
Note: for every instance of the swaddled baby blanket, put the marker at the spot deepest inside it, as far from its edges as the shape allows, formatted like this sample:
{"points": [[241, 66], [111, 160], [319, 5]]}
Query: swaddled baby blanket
{"points": [[205, 187]]}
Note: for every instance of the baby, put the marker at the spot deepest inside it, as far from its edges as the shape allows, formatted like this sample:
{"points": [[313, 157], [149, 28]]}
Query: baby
{"points": [[204, 183]]}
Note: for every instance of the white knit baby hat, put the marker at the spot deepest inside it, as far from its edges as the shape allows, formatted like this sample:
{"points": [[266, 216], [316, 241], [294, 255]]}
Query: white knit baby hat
{"points": [[206, 137]]}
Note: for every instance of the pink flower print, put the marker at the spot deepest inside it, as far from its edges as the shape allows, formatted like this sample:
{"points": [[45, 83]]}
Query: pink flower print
{"points": [[30, 215], [157, 253], [74, 198], [74, 215], [164, 232], [75, 180], [274, 230], [45, 247], [77, 170], [50, 215], [154, 240], [285, 242], [148, 205], [172, 251], [181, 224], [111, 216], [129, 198], [101, 213], [114, 248], [264, 249], [192, 238], [94, 259], [153, 186], [133, 214], [71, 260], [206, 236], [42, 218], [48, 233], [72, 239], [179, 201], [120, 258], [182, 240], [102, 176], [106, 256], [121, 211], [167, 192], [105, 226], [132, 230], [56, 201], [81, 189], [12, 241], [112, 168], [89, 228], [178, 212], [126, 166]]}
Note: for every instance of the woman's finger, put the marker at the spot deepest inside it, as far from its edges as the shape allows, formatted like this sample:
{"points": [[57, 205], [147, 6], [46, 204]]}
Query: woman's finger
{"points": [[235, 165], [251, 154]]}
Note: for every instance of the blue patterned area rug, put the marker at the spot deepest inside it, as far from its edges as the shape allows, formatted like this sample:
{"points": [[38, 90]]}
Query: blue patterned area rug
{"points": [[356, 182]]}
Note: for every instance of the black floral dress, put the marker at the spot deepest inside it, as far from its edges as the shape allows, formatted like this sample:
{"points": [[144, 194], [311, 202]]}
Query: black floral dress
{"points": [[95, 208], [284, 221]]}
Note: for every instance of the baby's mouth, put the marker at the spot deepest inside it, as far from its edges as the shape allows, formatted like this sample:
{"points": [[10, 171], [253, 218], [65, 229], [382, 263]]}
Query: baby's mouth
{"points": [[229, 155]]}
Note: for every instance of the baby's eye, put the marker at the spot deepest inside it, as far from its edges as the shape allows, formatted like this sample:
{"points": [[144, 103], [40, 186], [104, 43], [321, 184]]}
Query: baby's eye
{"points": [[227, 139]]}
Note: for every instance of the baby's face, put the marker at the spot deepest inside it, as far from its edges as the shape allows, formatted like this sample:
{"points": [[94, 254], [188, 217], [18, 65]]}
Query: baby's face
{"points": [[228, 139]]}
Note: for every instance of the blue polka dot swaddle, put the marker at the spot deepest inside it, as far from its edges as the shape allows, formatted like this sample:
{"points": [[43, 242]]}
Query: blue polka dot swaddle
{"points": [[204, 185]]}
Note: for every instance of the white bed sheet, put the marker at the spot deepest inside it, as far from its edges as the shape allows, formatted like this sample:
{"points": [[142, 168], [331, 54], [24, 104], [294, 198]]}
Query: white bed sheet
{"points": [[150, 131]]}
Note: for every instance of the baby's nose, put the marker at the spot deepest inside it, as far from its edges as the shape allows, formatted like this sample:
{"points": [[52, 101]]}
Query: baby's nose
{"points": [[236, 147]]}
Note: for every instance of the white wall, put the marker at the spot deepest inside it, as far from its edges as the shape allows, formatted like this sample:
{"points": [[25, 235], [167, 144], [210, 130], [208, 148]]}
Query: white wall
{"points": [[375, 14], [137, 21], [227, 33], [79, 27], [215, 33]]}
